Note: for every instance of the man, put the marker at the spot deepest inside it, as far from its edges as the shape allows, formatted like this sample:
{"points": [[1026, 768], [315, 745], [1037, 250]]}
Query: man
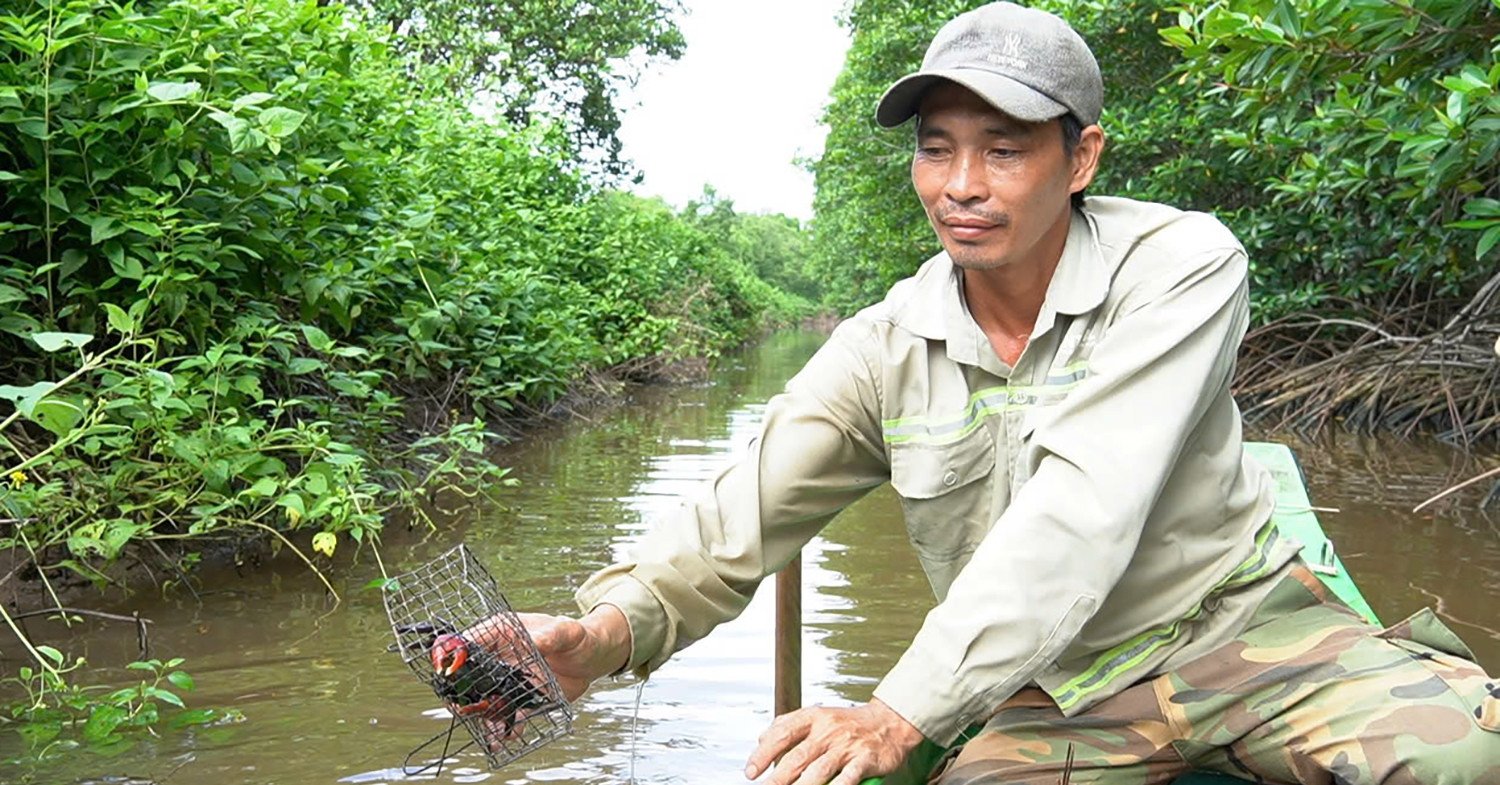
{"points": [[1050, 399]]}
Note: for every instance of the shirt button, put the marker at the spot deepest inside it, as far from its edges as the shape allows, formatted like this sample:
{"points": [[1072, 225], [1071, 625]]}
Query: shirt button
{"points": [[950, 478]]}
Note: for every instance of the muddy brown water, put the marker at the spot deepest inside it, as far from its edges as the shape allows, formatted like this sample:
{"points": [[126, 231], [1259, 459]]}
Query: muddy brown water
{"points": [[324, 703]]}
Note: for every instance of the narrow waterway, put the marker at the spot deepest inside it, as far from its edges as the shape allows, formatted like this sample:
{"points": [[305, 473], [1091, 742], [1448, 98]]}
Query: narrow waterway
{"points": [[323, 702]]}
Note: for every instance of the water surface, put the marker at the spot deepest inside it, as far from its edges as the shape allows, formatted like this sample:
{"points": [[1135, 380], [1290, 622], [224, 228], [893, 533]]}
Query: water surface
{"points": [[324, 703]]}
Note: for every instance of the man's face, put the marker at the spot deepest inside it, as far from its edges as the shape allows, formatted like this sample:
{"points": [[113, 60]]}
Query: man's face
{"points": [[995, 188]]}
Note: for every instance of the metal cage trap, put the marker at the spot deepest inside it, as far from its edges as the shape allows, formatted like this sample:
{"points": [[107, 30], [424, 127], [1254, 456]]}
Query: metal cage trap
{"points": [[457, 633]]}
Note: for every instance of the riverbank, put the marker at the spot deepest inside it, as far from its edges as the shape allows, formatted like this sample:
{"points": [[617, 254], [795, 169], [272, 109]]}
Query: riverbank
{"points": [[287, 282], [149, 563]]}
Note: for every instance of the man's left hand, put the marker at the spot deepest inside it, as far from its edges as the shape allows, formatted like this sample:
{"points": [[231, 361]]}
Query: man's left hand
{"points": [[834, 746]]}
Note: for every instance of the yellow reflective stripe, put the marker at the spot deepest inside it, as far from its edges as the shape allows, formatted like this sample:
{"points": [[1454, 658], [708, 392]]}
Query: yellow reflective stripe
{"points": [[922, 418], [957, 429], [981, 404], [1133, 652]]}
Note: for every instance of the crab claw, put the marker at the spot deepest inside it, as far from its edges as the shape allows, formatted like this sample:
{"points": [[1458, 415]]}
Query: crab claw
{"points": [[449, 653], [484, 706]]}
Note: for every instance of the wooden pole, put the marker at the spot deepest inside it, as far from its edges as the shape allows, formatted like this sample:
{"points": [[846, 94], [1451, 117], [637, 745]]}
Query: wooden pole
{"points": [[789, 638]]}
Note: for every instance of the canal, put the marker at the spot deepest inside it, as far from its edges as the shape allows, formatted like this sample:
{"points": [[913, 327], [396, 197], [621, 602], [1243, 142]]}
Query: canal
{"points": [[323, 702]]}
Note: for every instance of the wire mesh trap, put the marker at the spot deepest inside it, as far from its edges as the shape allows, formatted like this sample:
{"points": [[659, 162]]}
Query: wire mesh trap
{"points": [[457, 633]]}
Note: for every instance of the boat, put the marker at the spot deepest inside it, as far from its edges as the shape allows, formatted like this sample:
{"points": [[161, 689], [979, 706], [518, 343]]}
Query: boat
{"points": [[1295, 517]]}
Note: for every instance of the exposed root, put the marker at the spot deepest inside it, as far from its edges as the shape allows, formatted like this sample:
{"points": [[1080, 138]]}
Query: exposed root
{"points": [[1403, 371]]}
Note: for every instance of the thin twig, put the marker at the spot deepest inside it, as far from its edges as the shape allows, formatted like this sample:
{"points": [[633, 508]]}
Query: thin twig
{"points": [[1466, 483], [81, 612]]}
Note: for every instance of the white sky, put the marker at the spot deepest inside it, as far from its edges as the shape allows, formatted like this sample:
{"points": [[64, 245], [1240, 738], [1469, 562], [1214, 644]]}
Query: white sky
{"points": [[740, 105]]}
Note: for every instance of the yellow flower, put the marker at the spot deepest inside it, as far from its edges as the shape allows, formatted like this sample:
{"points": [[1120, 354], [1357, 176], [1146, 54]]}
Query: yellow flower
{"points": [[17, 478]]}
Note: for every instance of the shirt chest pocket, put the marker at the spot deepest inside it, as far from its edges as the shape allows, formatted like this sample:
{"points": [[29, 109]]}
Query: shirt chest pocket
{"points": [[946, 492]]}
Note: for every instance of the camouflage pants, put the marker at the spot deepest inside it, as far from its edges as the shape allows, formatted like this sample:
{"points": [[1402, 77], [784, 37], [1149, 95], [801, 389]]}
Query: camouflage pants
{"points": [[1308, 693]]}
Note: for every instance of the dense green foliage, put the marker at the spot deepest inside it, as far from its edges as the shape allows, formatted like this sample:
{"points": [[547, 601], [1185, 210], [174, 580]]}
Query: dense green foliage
{"points": [[565, 59], [775, 247], [269, 269], [256, 268], [1352, 146]]}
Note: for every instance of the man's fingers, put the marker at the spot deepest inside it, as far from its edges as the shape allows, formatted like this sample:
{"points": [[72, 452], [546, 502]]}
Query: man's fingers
{"points": [[792, 767], [820, 771], [549, 633], [853, 773], [560, 635], [494, 633], [788, 729]]}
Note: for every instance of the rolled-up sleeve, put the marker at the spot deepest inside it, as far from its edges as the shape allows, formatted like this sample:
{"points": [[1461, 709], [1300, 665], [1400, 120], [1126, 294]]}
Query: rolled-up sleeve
{"points": [[819, 451], [1098, 461]]}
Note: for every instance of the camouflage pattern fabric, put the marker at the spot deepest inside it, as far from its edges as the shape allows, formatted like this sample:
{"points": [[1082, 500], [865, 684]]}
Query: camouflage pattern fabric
{"points": [[1308, 693]]}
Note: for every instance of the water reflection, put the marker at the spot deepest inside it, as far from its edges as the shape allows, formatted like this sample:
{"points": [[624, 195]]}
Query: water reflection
{"points": [[324, 703], [1447, 556]]}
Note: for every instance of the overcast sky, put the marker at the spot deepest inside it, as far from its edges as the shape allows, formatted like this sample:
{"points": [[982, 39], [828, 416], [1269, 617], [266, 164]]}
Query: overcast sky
{"points": [[740, 106]]}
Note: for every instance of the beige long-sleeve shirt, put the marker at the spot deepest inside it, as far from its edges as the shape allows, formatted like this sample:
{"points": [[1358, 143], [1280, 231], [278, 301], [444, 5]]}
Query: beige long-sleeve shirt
{"points": [[1086, 518]]}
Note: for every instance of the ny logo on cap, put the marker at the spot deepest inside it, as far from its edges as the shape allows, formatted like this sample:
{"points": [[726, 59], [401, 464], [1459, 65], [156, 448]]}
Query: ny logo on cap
{"points": [[1006, 53]]}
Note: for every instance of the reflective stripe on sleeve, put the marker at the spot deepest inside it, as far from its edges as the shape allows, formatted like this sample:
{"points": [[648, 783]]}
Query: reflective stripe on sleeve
{"points": [[1132, 652]]}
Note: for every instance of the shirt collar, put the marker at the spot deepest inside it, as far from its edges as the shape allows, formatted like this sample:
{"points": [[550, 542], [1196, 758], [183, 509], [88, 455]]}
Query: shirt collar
{"points": [[936, 310], [1081, 279]]}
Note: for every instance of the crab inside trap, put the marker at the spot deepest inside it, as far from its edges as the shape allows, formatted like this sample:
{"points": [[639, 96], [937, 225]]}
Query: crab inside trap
{"points": [[457, 633]]}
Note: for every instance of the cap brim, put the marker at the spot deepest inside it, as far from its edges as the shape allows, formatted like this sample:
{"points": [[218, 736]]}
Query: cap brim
{"points": [[900, 102]]}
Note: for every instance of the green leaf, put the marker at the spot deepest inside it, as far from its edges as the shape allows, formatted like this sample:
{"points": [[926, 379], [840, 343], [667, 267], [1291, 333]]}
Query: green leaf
{"points": [[193, 717], [165, 696], [25, 398], [1484, 207], [127, 266], [316, 484], [34, 127], [102, 722], [119, 321], [10, 294], [265, 486], [241, 136], [60, 341], [54, 196], [57, 414], [56, 342], [173, 91], [180, 680], [1487, 242], [296, 508], [384, 584], [280, 122], [302, 365], [1176, 36], [103, 227], [317, 339], [37, 734], [51, 654], [251, 99]]}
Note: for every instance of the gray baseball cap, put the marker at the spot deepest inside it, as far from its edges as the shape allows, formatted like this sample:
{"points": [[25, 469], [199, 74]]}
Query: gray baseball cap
{"points": [[1024, 62]]}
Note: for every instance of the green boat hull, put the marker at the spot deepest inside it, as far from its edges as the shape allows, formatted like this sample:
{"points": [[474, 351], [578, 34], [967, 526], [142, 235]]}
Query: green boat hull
{"points": [[1294, 518]]}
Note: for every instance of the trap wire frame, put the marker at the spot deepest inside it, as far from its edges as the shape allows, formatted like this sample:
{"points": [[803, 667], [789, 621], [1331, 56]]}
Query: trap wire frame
{"points": [[500, 689]]}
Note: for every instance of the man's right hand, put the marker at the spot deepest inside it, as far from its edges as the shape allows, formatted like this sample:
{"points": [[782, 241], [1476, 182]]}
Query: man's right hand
{"points": [[579, 651]]}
